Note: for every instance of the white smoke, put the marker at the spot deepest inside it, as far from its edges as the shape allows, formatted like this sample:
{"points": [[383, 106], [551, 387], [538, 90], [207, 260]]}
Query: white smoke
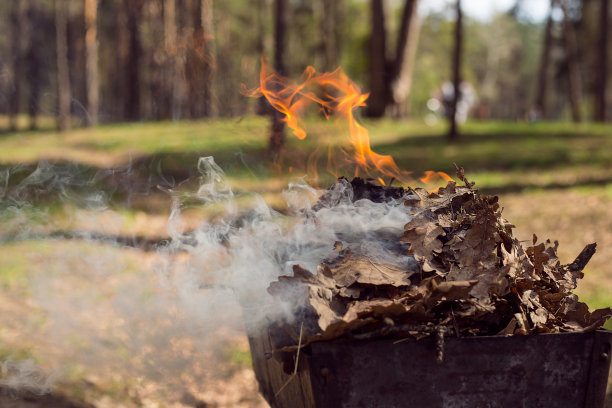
{"points": [[25, 376], [111, 311]]}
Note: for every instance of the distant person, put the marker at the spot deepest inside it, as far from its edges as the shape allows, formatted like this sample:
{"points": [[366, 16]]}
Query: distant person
{"points": [[440, 103]]}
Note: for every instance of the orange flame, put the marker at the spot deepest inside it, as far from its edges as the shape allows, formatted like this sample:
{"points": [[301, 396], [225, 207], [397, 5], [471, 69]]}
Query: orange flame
{"points": [[335, 93]]}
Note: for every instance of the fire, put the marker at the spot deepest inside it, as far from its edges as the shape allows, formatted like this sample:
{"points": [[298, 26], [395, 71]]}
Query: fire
{"points": [[335, 94]]}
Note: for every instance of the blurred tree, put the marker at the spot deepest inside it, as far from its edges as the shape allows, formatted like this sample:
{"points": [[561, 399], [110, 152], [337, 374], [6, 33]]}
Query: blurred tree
{"points": [[91, 58], [543, 71], [264, 47], [330, 38], [61, 8], [453, 133], [171, 105], [201, 61], [35, 60], [402, 70], [155, 93], [391, 78], [281, 20], [18, 21], [574, 82], [379, 92], [208, 54], [133, 58], [603, 54]]}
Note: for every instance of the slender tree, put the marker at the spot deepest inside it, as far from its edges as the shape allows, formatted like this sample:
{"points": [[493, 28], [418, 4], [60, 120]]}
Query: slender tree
{"points": [[379, 90], [92, 87], [63, 75], [208, 54], [281, 18], [391, 77], [542, 86], [571, 54], [264, 46], [174, 57], [133, 9], [17, 33], [201, 61], [403, 67], [35, 61], [453, 133], [603, 65], [330, 34]]}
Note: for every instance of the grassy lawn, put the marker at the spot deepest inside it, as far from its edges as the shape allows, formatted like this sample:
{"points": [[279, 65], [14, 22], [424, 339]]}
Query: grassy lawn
{"points": [[504, 158], [530, 161], [554, 179]]}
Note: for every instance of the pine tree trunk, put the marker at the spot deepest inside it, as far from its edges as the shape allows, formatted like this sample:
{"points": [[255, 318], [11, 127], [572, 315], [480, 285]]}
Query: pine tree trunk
{"points": [[329, 35], [63, 75], [453, 133], [573, 72], [281, 18], [210, 108], [174, 62], [604, 55], [404, 59], [92, 87], [134, 59], [542, 87], [34, 63], [17, 34], [201, 61], [264, 47], [379, 78]]}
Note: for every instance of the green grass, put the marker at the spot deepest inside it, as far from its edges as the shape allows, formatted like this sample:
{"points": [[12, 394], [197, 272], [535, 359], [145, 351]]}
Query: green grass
{"points": [[498, 154]]}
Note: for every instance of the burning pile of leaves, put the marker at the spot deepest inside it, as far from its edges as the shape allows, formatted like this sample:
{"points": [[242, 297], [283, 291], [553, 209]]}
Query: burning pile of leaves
{"points": [[470, 277]]}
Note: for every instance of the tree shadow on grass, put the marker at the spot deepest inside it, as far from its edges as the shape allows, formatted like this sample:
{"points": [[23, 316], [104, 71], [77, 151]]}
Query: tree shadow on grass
{"points": [[507, 151]]}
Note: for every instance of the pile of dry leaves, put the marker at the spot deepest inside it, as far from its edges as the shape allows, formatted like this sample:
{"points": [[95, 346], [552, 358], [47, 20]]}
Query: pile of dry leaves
{"points": [[472, 277]]}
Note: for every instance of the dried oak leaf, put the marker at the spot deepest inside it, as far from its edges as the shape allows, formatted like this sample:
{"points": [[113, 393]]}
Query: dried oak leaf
{"points": [[449, 291], [422, 234], [379, 308], [444, 199], [538, 315], [354, 268]]}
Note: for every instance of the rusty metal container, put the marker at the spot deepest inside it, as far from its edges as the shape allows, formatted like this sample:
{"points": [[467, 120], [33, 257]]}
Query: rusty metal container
{"points": [[546, 370]]}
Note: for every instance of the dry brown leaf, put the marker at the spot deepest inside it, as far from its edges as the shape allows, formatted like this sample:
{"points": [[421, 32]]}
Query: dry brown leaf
{"points": [[355, 268]]}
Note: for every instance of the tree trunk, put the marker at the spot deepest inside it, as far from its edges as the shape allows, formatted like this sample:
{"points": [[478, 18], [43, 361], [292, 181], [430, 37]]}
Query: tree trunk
{"points": [[208, 55], [404, 58], [174, 62], [542, 87], [201, 61], [264, 47], [573, 72], [379, 83], [330, 35], [34, 63], [281, 18], [602, 80], [391, 80], [17, 33], [453, 133], [63, 76], [133, 60], [92, 87]]}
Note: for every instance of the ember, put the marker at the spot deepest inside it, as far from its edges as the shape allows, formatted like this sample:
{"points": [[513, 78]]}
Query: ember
{"points": [[457, 270]]}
